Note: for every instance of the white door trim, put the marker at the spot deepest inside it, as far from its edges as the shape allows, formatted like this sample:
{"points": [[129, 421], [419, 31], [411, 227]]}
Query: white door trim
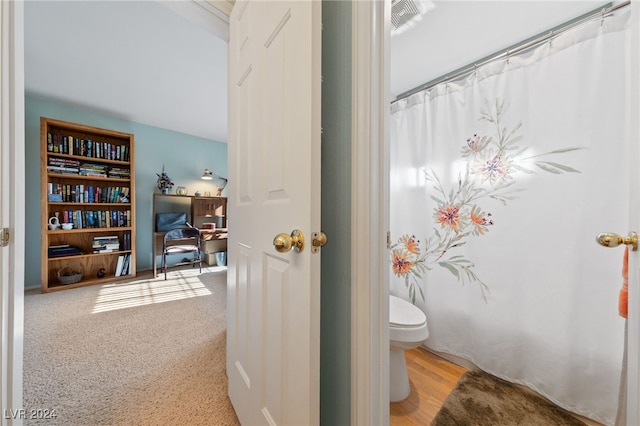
{"points": [[12, 161], [370, 213]]}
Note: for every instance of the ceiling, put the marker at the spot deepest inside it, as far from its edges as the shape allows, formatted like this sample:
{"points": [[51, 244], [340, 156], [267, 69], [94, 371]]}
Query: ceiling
{"points": [[142, 61], [164, 64]]}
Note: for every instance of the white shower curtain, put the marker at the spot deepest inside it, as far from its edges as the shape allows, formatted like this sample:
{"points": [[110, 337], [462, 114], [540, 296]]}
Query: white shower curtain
{"points": [[500, 183]]}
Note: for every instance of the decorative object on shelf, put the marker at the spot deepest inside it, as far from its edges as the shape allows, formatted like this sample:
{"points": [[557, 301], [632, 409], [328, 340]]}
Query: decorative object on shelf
{"points": [[66, 275], [54, 222], [67, 226], [197, 193], [181, 190], [101, 273], [164, 182], [207, 175]]}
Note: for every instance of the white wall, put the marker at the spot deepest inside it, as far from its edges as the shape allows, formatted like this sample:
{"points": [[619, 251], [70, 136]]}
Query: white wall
{"points": [[453, 34]]}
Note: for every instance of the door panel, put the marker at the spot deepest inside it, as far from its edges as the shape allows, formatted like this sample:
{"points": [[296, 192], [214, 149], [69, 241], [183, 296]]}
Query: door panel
{"points": [[274, 324], [274, 156], [242, 312]]}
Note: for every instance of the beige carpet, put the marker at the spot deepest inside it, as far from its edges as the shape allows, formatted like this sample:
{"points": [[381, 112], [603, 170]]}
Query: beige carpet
{"points": [[146, 352], [482, 399]]}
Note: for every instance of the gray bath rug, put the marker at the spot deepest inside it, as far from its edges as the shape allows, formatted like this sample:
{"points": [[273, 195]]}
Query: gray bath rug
{"points": [[481, 399]]}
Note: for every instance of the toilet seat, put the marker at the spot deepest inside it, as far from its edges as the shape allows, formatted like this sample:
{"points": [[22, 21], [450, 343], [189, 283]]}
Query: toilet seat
{"points": [[404, 314], [407, 324]]}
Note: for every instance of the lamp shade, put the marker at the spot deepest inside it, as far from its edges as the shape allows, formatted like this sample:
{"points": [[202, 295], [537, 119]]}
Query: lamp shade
{"points": [[207, 175]]}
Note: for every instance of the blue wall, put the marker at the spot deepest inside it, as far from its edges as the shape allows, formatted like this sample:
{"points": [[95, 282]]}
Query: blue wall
{"points": [[184, 157]]}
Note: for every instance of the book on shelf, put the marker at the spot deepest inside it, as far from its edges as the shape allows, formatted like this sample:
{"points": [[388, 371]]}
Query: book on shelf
{"points": [[105, 249], [126, 243], [63, 162], [63, 170], [119, 265], [92, 169], [82, 193], [63, 250], [100, 248], [86, 219], [126, 265], [123, 266], [67, 144], [105, 244], [119, 172]]}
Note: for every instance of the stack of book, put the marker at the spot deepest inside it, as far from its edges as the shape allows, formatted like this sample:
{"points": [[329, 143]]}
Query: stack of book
{"points": [[64, 250], [106, 244], [90, 169], [119, 172], [63, 165]]}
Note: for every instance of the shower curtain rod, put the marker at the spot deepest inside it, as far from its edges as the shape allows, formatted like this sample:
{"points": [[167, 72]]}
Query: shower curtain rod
{"points": [[601, 12]]}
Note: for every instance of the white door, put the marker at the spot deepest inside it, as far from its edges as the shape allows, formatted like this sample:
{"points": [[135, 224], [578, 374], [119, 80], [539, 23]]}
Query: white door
{"points": [[633, 325], [273, 307]]}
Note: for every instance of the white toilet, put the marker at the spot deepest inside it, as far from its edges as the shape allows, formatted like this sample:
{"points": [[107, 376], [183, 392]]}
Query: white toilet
{"points": [[407, 330]]}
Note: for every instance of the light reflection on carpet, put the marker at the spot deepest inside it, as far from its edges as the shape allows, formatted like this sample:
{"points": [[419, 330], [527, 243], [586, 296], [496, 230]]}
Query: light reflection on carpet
{"points": [[181, 285]]}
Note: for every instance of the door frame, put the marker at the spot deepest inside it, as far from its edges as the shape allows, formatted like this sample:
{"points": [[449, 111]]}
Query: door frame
{"points": [[370, 212], [12, 201], [633, 321], [370, 310]]}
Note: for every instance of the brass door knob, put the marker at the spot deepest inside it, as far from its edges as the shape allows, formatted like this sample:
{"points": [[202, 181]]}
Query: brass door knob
{"points": [[284, 243], [614, 240]]}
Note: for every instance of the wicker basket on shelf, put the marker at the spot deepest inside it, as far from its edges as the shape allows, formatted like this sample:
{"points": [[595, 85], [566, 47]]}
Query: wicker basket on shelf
{"points": [[66, 275]]}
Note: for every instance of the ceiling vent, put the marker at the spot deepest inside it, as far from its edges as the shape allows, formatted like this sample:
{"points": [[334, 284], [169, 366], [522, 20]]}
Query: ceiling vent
{"points": [[402, 11]]}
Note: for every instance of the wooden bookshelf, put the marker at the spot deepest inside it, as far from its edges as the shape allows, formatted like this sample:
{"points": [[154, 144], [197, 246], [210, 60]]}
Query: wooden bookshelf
{"points": [[87, 178]]}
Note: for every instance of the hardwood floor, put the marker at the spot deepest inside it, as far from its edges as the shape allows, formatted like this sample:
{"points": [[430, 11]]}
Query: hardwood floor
{"points": [[431, 378]]}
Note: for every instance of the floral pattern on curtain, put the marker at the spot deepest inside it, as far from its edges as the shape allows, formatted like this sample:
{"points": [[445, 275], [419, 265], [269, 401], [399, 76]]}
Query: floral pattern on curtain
{"points": [[490, 171]]}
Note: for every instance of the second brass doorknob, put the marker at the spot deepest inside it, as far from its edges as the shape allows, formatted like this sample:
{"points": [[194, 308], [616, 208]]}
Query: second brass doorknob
{"points": [[614, 240]]}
